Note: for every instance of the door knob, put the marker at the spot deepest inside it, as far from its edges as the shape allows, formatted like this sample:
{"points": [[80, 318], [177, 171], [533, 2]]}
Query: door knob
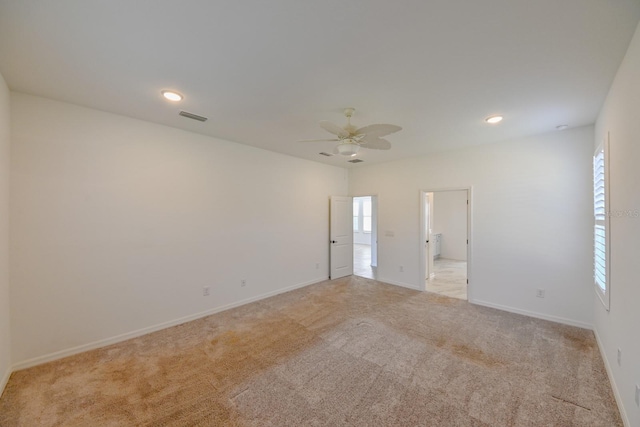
{"points": [[334, 241]]}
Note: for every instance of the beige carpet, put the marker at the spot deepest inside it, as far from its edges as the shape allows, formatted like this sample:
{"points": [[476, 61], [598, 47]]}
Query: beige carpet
{"points": [[348, 352]]}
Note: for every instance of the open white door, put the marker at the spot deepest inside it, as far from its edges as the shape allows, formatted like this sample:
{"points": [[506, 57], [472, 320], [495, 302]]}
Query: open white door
{"points": [[341, 236], [426, 243], [429, 243], [374, 231]]}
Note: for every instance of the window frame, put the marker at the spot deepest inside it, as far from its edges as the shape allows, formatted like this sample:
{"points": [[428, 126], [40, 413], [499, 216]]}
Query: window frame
{"points": [[602, 222], [356, 216], [370, 216]]}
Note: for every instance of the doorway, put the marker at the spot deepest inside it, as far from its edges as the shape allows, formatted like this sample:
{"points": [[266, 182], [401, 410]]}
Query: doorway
{"points": [[445, 236], [365, 236]]}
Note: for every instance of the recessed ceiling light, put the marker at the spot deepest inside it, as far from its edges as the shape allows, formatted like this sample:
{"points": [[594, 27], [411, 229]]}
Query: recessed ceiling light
{"points": [[562, 127], [171, 95], [493, 119]]}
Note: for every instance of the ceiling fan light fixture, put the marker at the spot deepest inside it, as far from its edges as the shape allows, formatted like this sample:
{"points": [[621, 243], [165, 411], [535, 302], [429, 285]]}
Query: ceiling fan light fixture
{"points": [[172, 96], [348, 149]]}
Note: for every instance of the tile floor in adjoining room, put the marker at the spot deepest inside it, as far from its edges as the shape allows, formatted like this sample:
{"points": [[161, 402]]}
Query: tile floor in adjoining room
{"points": [[450, 275], [450, 278], [362, 261]]}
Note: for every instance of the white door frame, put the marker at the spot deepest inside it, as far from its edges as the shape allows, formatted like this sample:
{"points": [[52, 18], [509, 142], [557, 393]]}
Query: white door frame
{"points": [[423, 237]]}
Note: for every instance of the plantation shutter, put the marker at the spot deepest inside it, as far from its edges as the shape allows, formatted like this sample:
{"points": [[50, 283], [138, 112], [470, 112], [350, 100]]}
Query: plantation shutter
{"points": [[600, 230]]}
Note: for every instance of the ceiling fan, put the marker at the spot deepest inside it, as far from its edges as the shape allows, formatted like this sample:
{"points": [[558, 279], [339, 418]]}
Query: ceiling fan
{"points": [[351, 138]]}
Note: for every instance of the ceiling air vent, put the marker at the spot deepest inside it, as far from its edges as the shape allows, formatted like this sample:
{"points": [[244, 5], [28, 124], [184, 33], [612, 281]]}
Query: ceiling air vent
{"points": [[355, 161], [192, 116], [325, 154]]}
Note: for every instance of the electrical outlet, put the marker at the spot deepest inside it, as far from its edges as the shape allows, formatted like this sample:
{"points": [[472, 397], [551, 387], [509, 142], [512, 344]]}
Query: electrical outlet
{"points": [[637, 395], [205, 291], [401, 269], [243, 283], [619, 357], [540, 293]]}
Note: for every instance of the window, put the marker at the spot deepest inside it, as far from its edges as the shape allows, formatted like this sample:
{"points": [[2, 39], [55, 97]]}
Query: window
{"points": [[362, 214], [356, 215], [601, 223], [366, 215]]}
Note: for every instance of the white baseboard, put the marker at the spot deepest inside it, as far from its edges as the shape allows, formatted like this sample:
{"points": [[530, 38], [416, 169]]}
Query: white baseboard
{"points": [[5, 379], [614, 387], [537, 315], [134, 334], [402, 284]]}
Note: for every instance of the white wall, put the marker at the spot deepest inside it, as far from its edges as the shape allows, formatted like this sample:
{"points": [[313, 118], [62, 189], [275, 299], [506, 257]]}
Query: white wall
{"points": [[118, 224], [531, 220], [450, 219], [620, 327], [5, 338]]}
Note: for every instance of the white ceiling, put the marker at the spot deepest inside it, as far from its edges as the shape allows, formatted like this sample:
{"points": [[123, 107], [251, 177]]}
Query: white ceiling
{"points": [[265, 72]]}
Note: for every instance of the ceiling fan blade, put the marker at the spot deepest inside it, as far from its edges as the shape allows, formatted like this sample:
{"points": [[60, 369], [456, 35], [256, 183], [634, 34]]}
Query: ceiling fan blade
{"points": [[378, 130], [318, 140], [375, 143], [334, 129]]}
